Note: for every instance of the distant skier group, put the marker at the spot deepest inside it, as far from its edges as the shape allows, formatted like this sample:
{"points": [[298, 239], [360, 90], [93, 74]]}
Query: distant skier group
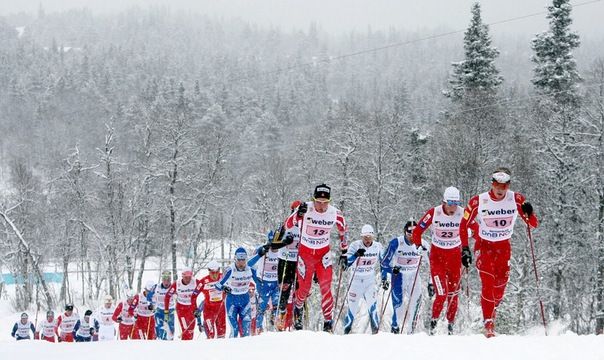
{"points": [[279, 276]]}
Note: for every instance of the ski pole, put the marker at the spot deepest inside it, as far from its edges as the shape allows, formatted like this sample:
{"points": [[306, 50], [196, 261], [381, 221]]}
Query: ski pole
{"points": [[346, 293], [387, 300], [419, 264], [528, 229]]}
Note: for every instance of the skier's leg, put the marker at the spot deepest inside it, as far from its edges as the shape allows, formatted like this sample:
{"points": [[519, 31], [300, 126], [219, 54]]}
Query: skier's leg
{"points": [[305, 270], [439, 280], [325, 274], [263, 291], [453, 283], [274, 297], [502, 270], [371, 301], [486, 269], [232, 313], [397, 300], [220, 324], [245, 314], [159, 324], [415, 301], [354, 297]]}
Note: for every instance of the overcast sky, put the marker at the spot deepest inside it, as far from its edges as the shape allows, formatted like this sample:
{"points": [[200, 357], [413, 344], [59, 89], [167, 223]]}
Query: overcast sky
{"points": [[336, 16]]}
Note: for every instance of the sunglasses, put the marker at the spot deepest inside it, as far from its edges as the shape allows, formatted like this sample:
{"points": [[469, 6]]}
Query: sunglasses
{"points": [[453, 202], [322, 201], [410, 230]]}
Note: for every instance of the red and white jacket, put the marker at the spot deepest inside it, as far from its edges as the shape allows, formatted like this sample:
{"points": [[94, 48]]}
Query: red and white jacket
{"points": [[124, 310], [316, 227], [212, 296], [185, 294]]}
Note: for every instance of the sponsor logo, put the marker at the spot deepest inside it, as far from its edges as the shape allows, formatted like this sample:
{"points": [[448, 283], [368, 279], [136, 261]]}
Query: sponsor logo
{"points": [[498, 212], [320, 222], [449, 224]]}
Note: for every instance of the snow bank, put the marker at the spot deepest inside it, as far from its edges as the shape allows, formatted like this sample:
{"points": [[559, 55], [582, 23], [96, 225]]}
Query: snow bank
{"points": [[309, 345]]}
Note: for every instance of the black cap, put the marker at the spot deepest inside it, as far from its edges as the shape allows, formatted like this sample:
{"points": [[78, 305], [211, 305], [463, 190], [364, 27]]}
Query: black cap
{"points": [[409, 224], [88, 313], [68, 307], [322, 192]]}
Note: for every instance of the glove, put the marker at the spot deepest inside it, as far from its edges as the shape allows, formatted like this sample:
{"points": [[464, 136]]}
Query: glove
{"points": [[59, 338], [119, 319], [466, 256], [151, 307], [289, 239], [315, 278], [197, 313], [359, 252], [302, 209], [421, 247], [385, 284], [262, 250], [226, 289], [91, 331], [396, 270], [430, 290], [527, 208], [343, 261], [166, 315]]}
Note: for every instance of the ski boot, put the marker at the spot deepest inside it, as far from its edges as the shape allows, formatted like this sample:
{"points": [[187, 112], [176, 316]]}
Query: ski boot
{"points": [[374, 328], [450, 328], [298, 318], [328, 326], [489, 328], [433, 323], [347, 329], [280, 323], [395, 330]]}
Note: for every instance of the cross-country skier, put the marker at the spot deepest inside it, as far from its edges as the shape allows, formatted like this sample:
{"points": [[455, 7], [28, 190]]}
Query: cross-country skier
{"points": [[186, 302], [163, 329], [144, 309], [22, 328], [445, 254], [46, 329], [286, 267], [124, 316], [401, 260], [236, 284], [268, 287], [212, 307], [317, 219], [495, 213], [104, 316], [364, 255], [85, 328], [66, 322]]}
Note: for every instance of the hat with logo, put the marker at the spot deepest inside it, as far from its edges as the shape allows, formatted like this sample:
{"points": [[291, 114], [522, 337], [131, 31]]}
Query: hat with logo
{"points": [[322, 192]]}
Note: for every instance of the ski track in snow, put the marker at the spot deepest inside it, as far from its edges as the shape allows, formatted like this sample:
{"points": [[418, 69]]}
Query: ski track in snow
{"points": [[315, 345]]}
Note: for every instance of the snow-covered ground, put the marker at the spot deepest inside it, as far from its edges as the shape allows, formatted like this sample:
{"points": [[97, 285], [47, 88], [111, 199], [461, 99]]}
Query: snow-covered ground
{"points": [[309, 345]]}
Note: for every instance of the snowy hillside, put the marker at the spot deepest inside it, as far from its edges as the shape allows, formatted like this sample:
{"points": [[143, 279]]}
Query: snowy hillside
{"points": [[308, 345]]}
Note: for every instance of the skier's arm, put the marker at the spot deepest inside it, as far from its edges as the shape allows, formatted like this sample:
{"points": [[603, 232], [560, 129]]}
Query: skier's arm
{"points": [[387, 258], [33, 329], [151, 294], [59, 321], [423, 224], [292, 220], [468, 217], [169, 295], [227, 274], [353, 249], [342, 231], [76, 327], [12, 334], [251, 262], [116, 312], [133, 306], [531, 220]]}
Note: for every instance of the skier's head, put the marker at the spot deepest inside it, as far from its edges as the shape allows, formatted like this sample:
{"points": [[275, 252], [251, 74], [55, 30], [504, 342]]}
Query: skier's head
{"points": [[24, 318], [367, 234], [107, 301], [321, 198], [187, 275], [50, 315], [240, 257], [149, 285], [129, 295], [166, 278], [500, 182], [409, 227], [214, 269], [451, 200], [252, 288], [87, 314], [69, 309]]}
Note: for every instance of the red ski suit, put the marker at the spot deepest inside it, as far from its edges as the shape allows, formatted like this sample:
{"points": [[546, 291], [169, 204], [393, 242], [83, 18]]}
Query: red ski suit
{"points": [[144, 325], [493, 254], [126, 327], [445, 257], [186, 304], [214, 314], [313, 255]]}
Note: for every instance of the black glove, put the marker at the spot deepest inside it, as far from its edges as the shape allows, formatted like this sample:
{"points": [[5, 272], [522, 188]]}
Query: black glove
{"points": [[226, 289], [289, 239], [359, 252], [59, 339], [91, 331], [430, 290], [466, 256], [385, 284], [151, 307], [197, 313], [262, 250], [396, 270], [421, 247], [343, 261], [315, 278], [527, 208], [302, 209], [119, 319]]}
